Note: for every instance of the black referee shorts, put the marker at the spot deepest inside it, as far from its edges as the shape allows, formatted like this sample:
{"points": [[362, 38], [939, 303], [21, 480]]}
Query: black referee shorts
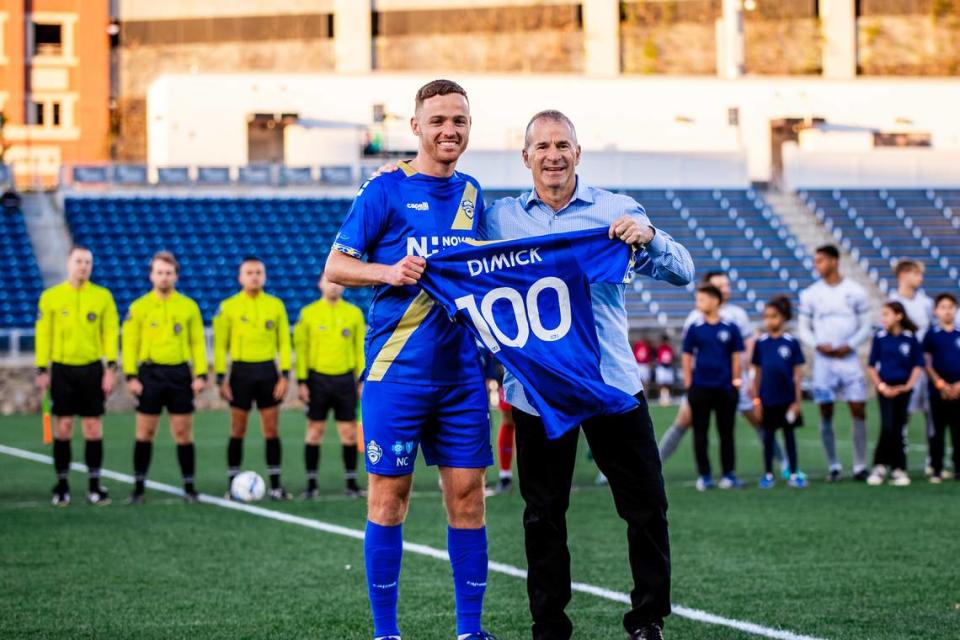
{"points": [[253, 382], [332, 392], [165, 385], [77, 390]]}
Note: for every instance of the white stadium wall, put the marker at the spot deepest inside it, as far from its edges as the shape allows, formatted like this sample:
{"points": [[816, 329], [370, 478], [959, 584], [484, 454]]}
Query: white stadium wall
{"points": [[201, 119]]}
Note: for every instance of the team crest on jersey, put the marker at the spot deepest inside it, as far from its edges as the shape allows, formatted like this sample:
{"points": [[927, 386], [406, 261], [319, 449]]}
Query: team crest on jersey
{"points": [[905, 349], [270, 324], [177, 328], [784, 352], [467, 206], [91, 316], [374, 452], [723, 335]]}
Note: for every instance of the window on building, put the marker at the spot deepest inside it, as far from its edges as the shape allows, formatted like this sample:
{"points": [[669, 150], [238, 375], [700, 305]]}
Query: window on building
{"points": [[38, 108], [56, 114], [47, 39]]}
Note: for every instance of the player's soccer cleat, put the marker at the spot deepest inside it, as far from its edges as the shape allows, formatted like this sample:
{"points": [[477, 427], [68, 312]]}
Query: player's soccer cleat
{"points": [[797, 481], [280, 494], [785, 472], [99, 498], [861, 476], [949, 475], [651, 631], [935, 479], [835, 475], [705, 483], [136, 498], [899, 478], [876, 478], [354, 492], [61, 497], [768, 481], [191, 497], [730, 481], [479, 635]]}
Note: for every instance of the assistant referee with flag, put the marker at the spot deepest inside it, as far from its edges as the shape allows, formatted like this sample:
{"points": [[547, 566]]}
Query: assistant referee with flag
{"points": [[77, 329]]}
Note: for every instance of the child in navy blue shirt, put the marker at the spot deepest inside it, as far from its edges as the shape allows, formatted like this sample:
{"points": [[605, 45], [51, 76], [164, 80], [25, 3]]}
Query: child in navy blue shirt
{"points": [[777, 369], [942, 346], [895, 364], [711, 372]]}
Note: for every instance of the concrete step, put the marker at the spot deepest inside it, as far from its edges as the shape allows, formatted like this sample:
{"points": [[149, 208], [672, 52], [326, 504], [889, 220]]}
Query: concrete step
{"points": [[812, 233], [49, 235]]}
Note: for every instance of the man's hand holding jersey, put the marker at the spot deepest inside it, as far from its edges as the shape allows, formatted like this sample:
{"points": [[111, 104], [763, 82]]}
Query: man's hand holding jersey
{"points": [[630, 231]]}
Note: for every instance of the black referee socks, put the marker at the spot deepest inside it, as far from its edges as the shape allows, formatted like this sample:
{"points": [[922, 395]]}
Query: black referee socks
{"points": [[186, 456], [93, 456], [311, 459], [61, 462], [273, 461], [142, 451]]}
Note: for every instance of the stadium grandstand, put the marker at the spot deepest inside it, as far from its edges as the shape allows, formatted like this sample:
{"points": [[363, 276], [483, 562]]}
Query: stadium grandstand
{"points": [[752, 131]]}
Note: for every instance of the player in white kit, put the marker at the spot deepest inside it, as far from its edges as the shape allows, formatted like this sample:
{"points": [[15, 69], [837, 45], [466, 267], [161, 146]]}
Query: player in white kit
{"points": [[734, 315], [919, 308], [835, 319]]}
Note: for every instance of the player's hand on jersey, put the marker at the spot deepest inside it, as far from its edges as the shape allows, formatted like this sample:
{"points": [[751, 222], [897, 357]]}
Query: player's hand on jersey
{"points": [[197, 385], [842, 351], [630, 231], [43, 381], [303, 392], [405, 272], [389, 167], [109, 381], [135, 387], [225, 391], [280, 389]]}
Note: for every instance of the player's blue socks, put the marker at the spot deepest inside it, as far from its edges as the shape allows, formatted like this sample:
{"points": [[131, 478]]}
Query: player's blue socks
{"points": [[468, 559], [382, 553]]}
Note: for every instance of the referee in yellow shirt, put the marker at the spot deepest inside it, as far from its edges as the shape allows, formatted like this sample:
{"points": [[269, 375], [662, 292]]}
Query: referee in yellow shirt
{"points": [[76, 330], [162, 335], [328, 340], [252, 327]]}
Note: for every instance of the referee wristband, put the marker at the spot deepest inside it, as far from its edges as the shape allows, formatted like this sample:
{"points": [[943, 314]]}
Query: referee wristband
{"points": [[112, 365], [285, 373]]}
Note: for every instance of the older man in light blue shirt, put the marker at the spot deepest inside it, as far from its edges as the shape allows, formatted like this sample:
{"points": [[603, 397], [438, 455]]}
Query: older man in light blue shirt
{"points": [[623, 446]]}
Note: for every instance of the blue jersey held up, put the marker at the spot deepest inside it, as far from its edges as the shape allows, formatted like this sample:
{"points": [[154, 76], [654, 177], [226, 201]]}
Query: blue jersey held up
{"points": [[944, 349], [528, 302], [712, 346], [895, 356], [411, 340], [777, 358]]}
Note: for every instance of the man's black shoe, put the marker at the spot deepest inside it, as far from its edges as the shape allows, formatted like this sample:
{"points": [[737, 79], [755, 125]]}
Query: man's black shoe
{"points": [[652, 631]]}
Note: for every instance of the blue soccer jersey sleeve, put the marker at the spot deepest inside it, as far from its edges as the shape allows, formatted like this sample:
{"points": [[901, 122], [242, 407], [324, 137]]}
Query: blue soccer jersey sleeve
{"points": [[528, 302], [365, 222]]}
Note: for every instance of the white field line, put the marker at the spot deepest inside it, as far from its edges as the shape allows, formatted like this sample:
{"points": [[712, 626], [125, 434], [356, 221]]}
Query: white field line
{"points": [[420, 549]]}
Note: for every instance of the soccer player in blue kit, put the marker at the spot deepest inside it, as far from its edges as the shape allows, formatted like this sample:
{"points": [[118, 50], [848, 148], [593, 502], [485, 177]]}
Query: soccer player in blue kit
{"points": [[423, 383]]}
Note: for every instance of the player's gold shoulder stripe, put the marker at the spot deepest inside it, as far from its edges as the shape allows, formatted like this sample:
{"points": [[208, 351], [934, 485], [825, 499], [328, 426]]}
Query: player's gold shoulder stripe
{"points": [[411, 319], [406, 168], [468, 205]]}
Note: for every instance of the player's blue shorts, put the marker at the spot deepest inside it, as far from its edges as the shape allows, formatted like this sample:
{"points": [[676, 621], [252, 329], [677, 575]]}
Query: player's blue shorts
{"points": [[450, 423]]}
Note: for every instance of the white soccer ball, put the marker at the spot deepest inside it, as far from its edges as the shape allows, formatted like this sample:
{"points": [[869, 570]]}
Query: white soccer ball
{"points": [[247, 486]]}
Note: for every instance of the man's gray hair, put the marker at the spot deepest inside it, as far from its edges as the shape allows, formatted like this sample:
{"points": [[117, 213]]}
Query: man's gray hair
{"points": [[549, 114]]}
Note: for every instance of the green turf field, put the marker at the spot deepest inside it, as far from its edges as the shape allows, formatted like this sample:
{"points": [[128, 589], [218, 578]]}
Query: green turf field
{"points": [[846, 561]]}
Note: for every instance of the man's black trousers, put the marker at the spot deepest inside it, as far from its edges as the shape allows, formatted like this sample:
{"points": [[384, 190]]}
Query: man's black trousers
{"points": [[625, 449]]}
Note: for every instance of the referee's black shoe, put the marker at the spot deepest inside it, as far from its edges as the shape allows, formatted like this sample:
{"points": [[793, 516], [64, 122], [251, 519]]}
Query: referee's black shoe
{"points": [[652, 631], [99, 498]]}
